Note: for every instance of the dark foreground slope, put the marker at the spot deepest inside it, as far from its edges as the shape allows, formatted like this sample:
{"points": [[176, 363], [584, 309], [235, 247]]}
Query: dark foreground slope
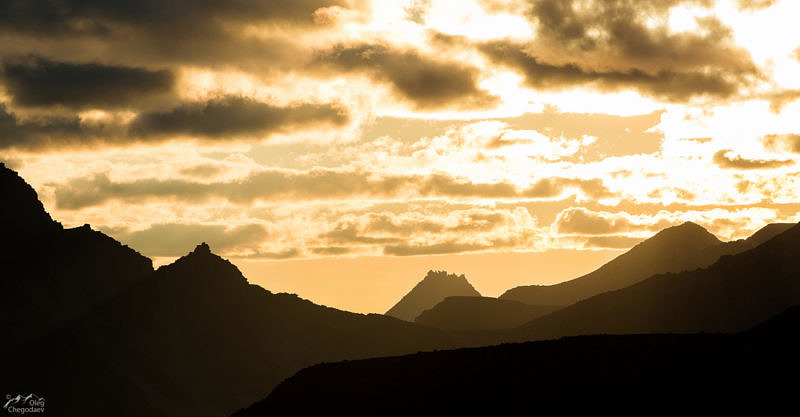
{"points": [[435, 287], [89, 326], [675, 249], [751, 372], [195, 339], [735, 293], [481, 313], [48, 274]]}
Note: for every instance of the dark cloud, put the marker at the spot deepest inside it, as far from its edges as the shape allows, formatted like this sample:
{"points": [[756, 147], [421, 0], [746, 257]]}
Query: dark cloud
{"points": [[285, 254], [231, 116], [349, 233], [609, 45], [172, 239], [433, 249], [446, 185], [178, 18], [577, 220], [449, 246], [555, 187], [36, 81], [45, 131], [724, 160], [316, 184], [787, 142], [265, 185], [202, 171], [612, 242], [427, 82], [664, 83], [223, 118], [331, 250], [387, 223]]}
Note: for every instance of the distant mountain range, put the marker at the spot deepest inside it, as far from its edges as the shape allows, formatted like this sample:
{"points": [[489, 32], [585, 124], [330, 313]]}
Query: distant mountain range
{"points": [[481, 313], [733, 294], [435, 287], [680, 248], [675, 249], [88, 325], [750, 373]]}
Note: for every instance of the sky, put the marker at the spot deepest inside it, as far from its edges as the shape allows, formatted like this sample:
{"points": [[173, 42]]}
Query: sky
{"points": [[339, 149]]}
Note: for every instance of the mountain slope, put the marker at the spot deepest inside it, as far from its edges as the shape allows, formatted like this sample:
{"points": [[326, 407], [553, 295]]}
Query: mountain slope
{"points": [[48, 274], [195, 339], [88, 325], [733, 294], [670, 250], [633, 374], [480, 313], [435, 287]]}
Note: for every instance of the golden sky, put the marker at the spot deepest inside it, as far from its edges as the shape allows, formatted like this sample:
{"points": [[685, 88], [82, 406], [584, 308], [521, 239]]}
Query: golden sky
{"points": [[341, 148]]}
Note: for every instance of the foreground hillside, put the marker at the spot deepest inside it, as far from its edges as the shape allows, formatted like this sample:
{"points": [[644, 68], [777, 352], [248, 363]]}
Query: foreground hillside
{"points": [[97, 332], [750, 372]]}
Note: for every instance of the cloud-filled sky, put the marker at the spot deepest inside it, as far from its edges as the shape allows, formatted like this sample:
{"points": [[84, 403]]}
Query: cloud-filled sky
{"points": [[291, 135]]}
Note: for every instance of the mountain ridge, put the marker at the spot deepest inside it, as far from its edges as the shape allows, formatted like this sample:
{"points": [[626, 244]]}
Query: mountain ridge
{"points": [[434, 287]]}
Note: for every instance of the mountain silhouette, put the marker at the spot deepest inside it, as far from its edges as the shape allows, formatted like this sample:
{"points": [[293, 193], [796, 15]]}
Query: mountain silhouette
{"points": [[481, 313], [89, 325], [51, 274], [674, 249], [435, 287], [733, 294], [746, 373]]}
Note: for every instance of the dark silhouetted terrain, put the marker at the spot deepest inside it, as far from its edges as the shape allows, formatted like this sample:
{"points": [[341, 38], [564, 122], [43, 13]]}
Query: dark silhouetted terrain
{"points": [[481, 313], [735, 293], [435, 287], [48, 274], [675, 249], [753, 372], [108, 336]]}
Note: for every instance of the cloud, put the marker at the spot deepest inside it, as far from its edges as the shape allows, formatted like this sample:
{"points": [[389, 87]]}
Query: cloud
{"points": [[785, 142], [222, 118], [37, 81], [577, 220], [202, 171], [433, 249], [46, 131], [179, 18], [723, 159], [331, 250], [425, 81], [625, 44], [755, 4], [612, 242], [556, 187], [439, 184], [230, 116], [348, 233], [315, 184], [173, 239], [664, 83]]}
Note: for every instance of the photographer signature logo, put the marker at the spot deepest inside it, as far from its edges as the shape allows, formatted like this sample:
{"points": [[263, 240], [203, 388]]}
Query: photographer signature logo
{"points": [[23, 404]]}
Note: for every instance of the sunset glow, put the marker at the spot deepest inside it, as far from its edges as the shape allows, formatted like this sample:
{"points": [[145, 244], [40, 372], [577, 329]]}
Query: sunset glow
{"points": [[337, 148]]}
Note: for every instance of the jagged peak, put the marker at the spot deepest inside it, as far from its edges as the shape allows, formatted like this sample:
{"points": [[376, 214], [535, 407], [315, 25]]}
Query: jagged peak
{"points": [[202, 265], [442, 274], [202, 249]]}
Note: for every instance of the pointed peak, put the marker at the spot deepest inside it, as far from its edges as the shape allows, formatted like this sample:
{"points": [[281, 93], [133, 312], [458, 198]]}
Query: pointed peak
{"points": [[202, 249]]}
